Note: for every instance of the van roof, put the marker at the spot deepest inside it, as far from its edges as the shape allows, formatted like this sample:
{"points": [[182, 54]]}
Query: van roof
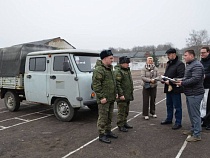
{"points": [[71, 51]]}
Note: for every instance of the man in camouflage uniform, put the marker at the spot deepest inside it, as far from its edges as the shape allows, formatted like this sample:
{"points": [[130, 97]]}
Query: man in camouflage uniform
{"points": [[125, 92], [105, 88]]}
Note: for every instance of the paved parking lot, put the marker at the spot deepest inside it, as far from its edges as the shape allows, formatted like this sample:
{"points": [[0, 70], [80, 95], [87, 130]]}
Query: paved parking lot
{"points": [[34, 132]]}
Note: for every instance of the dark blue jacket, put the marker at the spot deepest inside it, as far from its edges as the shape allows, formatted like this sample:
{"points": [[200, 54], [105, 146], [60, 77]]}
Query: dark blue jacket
{"points": [[174, 69], [206, 65], [193, 78]]}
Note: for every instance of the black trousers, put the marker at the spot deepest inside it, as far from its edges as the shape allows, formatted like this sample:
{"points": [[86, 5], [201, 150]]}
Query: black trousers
{"points": [[149, 96], [207, 117]]}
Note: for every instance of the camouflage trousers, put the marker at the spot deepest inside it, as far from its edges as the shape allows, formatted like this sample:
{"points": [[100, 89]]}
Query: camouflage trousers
{"points": [[105, 112], [123, 110]]}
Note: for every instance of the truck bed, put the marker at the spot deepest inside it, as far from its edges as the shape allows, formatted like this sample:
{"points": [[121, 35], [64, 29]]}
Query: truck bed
{"points": [[12, 82]]}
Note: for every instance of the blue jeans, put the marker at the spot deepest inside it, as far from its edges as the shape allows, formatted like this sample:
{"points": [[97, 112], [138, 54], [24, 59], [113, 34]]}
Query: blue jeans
{"points": [[193, 107], [174, 101]]}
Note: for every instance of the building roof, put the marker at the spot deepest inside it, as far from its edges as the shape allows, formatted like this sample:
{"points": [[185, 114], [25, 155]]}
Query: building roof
{"points": [[47, 41]]}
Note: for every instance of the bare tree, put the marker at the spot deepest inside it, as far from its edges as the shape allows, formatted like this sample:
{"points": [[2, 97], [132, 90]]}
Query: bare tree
{"points": [[197, 39]]}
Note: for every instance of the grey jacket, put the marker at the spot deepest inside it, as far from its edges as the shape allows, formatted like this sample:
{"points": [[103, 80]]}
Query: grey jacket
{"points": [[147, 75], [193, 79]]}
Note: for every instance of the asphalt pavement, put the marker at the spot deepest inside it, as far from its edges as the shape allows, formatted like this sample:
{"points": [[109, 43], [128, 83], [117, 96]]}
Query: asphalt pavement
{"points": [[34, 132]]}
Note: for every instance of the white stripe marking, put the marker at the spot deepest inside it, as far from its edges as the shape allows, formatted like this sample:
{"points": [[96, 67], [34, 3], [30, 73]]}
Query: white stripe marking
{"points": [[38, 112], [26, 122], [21, 119], [72, 152], [160, 101], [4, 112], [2, 127], [182, 148], [95, 139]]}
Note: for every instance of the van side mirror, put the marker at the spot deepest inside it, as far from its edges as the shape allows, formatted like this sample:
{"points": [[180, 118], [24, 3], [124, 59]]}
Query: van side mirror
{"points": [[67, 67]]}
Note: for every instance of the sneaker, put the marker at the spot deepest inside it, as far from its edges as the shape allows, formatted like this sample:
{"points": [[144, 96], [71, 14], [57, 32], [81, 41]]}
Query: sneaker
{"points": [[154, 116], [193, 139], [146, 117], [188, 132]]}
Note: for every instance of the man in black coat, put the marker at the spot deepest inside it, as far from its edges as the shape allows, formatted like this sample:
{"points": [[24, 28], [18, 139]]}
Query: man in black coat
{"points": [[174, 69], [205, 60]]}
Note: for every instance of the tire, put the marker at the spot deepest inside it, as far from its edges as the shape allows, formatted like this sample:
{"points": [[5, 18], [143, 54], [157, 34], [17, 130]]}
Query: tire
{"points": [[12, 101], [93, 107], [63, 110]]}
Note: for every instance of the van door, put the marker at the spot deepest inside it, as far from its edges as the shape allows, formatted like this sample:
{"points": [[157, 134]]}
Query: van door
{"points": [[35, 79], [63, 84]]}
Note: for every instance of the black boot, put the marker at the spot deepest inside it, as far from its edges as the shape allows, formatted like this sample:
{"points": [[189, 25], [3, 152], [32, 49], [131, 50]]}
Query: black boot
{"points": [[127, 126], [109, 134], [208, 127], [166, 122], [104, 139], [122, 129]]}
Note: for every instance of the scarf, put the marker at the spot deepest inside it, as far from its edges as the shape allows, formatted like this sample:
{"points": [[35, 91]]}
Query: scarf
{"points": [[149, 66]]}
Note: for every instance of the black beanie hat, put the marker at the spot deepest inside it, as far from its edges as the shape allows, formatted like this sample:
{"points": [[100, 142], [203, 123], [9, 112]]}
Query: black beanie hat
{"points": [[171, 50], [124, 59], [105, 53]]}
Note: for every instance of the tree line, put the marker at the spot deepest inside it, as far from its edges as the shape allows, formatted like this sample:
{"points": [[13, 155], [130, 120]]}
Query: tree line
{"points": [[195, 41]]}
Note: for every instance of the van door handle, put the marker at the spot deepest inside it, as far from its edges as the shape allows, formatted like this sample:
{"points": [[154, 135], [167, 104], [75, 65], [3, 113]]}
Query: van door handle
{"points": [[28, 76], [53, 77]]}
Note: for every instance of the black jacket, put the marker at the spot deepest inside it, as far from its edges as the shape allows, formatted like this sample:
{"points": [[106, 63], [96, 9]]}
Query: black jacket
{"points": [[174, 69], [193, 79], [206, 65]]}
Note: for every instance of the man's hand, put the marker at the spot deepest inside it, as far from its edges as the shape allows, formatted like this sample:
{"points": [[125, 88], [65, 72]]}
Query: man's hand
{"points": [[152, 81], [162, 81], [178, 83], [103, 101], [122, 98], [167, 82]]}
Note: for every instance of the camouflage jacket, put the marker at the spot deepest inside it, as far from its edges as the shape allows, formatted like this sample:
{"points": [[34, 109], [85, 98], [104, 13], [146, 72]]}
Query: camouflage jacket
{"points": [[124, 82], [103, 82]]}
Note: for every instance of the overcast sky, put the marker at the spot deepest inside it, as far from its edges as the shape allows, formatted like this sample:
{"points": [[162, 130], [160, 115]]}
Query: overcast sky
{"points": [[100, 24]]}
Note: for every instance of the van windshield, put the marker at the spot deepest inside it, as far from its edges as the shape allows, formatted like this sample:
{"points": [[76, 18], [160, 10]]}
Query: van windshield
{"points": [[86, 63]]}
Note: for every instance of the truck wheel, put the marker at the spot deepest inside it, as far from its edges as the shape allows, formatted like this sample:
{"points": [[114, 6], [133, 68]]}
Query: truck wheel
{"points": [[63, 110], [12, 101], [93, 107]]}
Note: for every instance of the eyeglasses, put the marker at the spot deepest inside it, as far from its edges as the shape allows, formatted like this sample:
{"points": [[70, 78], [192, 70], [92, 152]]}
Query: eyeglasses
{"points": [[203, 52]]}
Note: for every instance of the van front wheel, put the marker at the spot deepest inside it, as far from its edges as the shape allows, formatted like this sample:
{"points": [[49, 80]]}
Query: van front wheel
{"points": [[63, 110], [12, 101]]}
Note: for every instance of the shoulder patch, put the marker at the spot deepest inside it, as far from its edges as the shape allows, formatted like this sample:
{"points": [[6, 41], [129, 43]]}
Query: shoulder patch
{"points": [[99, 76], [118, 77]]}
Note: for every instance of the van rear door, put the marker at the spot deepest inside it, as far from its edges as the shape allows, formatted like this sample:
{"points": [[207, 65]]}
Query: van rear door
{"points": [[35, 79]]}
